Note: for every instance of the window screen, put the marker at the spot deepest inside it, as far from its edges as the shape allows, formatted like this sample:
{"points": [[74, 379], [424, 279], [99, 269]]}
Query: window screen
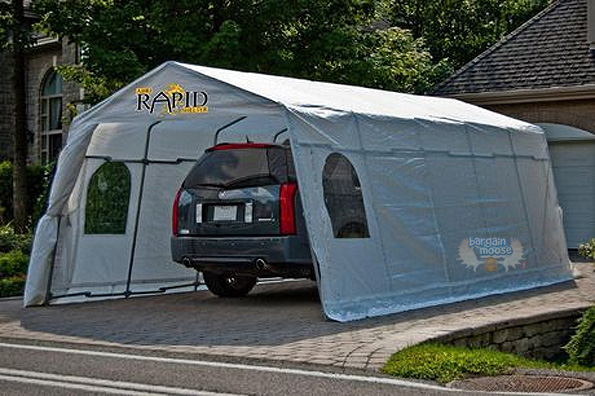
{"points": [[343, 198], [108, 196]]}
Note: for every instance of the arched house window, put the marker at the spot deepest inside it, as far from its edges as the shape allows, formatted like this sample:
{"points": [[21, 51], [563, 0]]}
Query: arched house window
{"points": [[51, 117]]}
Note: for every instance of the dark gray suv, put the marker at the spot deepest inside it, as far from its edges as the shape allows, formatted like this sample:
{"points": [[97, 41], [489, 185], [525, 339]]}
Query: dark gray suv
{"points": [[238, 217]]}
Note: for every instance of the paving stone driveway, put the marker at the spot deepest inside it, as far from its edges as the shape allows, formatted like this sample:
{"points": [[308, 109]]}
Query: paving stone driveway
{"points": [[281, 322]]}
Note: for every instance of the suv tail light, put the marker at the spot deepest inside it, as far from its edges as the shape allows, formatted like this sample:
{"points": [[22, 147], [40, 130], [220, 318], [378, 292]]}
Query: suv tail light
{"points": [[174, 215], [287, 208]]}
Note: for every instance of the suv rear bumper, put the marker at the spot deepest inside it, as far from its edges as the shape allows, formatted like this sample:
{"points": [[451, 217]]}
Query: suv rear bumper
{"points": [[286, 256]]}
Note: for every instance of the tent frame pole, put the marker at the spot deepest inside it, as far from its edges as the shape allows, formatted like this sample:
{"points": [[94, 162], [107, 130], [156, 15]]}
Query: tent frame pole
{"points": [[225, 127], [161, 290], [279, 134], [145, 162]]}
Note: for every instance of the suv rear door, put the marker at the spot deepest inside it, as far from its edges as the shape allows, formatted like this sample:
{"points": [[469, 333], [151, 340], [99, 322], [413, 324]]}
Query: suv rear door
{"points": [[234, 189]]}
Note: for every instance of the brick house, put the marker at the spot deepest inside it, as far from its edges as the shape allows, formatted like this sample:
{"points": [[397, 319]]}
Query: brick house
{"points": [[47, 97], [544, 73]]}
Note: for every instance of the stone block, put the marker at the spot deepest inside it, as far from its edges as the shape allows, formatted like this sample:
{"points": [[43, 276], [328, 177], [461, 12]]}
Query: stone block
{"points": [[522, 346], [500, 336], [507, 346], [551, 339], [486, 339], [515, 333], [475, 341], [534, 342], [532, 329]]}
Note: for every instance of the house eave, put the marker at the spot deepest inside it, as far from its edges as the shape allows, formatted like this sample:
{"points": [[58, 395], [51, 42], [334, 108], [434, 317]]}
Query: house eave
{"points": [[580, 92]]}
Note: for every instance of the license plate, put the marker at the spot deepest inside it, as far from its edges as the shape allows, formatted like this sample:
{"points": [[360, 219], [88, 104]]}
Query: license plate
{"points": [[225, 213]]}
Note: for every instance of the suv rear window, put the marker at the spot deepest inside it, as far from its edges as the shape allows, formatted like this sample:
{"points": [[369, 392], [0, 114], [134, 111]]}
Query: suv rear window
{"points": [[241, 166]]}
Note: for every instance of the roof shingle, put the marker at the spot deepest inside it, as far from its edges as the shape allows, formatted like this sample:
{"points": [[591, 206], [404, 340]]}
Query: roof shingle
{"points": [[550, 50]]}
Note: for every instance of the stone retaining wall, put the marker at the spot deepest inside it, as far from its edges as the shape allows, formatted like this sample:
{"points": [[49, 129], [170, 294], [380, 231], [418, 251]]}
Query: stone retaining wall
{"points": [[539, 337]]}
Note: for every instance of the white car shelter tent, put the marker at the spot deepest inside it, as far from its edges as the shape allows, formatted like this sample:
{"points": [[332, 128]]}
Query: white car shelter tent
{"points": [[459, 201]]}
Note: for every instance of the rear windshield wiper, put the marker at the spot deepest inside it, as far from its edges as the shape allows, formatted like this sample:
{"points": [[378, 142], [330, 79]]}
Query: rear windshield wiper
{"points": [[215, 185], [253, 180]]}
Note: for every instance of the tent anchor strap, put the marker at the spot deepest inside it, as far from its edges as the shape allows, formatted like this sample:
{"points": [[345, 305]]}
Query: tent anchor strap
{"points": [[125, 293]]}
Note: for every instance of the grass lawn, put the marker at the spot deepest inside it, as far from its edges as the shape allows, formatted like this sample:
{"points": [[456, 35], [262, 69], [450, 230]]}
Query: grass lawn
{"points": [[444, 363]]}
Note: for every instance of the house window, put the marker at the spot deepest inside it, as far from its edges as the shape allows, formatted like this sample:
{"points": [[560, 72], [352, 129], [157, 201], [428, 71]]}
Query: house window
{"points": [[51, 117], [343, 198], [108, 196]]}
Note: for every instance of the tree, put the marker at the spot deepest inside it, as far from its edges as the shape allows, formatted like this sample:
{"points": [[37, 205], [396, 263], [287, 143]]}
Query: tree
{"points": [[459, 30], [332, 41], [16, 36]]}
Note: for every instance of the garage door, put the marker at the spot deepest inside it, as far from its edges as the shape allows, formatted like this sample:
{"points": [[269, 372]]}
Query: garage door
{"points": [[574, 174]]}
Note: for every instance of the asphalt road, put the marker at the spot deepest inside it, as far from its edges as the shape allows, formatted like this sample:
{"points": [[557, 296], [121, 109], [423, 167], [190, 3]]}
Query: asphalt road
{"points": [[29, 369]]}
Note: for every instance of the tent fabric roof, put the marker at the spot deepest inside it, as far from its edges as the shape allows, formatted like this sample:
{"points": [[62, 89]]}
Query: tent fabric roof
{"points": [[320, 97], [550, 50]]}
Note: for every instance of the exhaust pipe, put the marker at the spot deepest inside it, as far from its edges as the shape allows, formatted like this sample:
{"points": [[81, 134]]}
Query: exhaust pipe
{"points": [[187, 262], [261, 264]]}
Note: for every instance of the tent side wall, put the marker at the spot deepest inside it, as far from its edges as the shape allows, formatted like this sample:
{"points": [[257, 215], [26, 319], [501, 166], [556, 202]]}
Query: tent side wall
{"points": [[427, 188]]}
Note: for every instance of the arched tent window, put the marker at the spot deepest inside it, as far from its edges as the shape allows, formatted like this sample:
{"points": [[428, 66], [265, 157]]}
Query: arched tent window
{"points": [[343, 198], [108, 196], [51, 117]]}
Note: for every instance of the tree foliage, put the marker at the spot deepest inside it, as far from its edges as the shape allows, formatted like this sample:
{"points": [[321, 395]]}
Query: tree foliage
{"points": [[459, 30], [332, 41], [15, 32], [6, 21], [12, 32]]}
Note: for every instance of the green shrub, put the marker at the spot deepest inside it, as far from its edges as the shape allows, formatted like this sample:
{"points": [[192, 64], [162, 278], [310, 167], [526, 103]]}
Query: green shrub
{"points": [[13, 263], [9, 240], [37, 190], [587, 249], [581, 347], [12, 286], [38, 178]]}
